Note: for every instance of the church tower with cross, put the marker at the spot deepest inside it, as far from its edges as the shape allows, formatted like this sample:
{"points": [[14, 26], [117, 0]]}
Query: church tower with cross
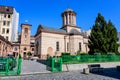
{"points": [[69, 21]]}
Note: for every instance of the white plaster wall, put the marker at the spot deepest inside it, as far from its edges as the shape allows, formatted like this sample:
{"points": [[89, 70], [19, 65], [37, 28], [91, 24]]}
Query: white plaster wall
{"points": [[38, 39], [49, 40], [69, 28]]}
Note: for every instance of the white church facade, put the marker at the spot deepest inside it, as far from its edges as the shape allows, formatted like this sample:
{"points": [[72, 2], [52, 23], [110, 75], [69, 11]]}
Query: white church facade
{"points": [[68, 38]]}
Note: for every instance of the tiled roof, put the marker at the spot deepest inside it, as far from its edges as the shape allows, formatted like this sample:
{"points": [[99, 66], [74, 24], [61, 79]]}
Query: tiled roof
{"points": [[74, 32], [54, 30], [3, 39]]}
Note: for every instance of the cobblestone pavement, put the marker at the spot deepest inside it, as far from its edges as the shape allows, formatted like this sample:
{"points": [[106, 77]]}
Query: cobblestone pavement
{"points": [[73, 75], [33, 66]]}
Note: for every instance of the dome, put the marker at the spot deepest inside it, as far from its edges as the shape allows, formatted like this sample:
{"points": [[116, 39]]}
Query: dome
{"points": [[68, 9]]}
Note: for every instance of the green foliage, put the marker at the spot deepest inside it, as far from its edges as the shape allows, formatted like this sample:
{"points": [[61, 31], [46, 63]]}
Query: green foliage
{"points": [[103, 37], [64, 54], [29, 54], [20, 56], [81, 53]]}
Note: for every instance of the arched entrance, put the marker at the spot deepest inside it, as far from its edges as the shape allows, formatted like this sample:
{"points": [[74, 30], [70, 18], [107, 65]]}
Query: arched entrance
{"points": [[50, 51]]}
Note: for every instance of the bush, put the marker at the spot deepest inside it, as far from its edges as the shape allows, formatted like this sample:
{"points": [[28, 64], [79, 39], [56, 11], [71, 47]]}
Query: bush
{"points": [[65, 54], [29, 54], [81, 53]]}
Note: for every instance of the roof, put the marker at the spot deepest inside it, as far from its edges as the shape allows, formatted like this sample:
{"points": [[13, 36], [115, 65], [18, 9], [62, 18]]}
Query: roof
{"points": [[74, 31], [68, 9], [26, 24], [42, 28], [54, 30], [49, 29], [3, 39]]}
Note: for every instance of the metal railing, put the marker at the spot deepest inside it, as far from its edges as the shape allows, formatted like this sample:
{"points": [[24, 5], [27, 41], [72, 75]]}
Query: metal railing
{"points": [[85, 58], [10, 66], [54, 64]]}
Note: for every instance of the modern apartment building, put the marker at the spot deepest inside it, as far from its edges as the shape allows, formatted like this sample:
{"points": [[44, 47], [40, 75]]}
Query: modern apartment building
{"points": [[9, 19]]}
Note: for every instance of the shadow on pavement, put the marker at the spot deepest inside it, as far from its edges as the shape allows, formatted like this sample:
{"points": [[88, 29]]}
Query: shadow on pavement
{"points": [[42, 61], [109, 72]]}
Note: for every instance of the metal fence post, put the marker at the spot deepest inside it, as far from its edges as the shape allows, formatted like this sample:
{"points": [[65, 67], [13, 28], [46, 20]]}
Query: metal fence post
{"points": [[52, 64], [19, 65], [60, 64], [7, 66]]}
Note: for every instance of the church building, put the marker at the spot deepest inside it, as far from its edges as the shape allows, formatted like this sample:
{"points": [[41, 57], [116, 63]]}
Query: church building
{"points": [[68, 38]]}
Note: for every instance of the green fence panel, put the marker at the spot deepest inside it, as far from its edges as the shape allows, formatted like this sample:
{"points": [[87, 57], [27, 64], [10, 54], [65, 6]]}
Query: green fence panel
{"points": [[10, 66], [85, 58], [54, 64]]}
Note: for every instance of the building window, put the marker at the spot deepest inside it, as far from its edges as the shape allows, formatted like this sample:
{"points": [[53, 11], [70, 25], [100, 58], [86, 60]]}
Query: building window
{"points": [[67, 46], [25, 36], [32, 49], [9, 16], [8, 23], [7, 31], [6, 37], [79, 46], [26, 30], [7, 9], [5, 15], [25, 48], [15, 49], [3, 30], [4, 23], [57, 46]]}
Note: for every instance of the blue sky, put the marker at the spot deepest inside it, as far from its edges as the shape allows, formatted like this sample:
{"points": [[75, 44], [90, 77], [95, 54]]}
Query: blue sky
{"points": [[48, 12]]}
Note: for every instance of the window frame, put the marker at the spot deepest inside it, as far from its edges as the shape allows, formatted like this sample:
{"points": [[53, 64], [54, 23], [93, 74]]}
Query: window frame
{"points": [[80, 47], [57, 46]]}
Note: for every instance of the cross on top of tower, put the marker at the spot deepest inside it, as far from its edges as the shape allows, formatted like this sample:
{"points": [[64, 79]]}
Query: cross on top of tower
{"points": [[68, 9]]}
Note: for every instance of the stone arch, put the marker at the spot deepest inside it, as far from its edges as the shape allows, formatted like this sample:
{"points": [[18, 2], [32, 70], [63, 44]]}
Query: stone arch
{"points": [[50, 51]]}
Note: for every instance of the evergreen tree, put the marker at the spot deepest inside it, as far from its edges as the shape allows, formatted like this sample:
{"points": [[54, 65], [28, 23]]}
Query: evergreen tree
{"points": [[100, 39], [112, 38]]}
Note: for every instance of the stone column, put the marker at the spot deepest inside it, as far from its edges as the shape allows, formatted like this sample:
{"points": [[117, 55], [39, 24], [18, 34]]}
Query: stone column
{"points": [[64, 20], [71, 18], [75, 20], [67, 18]]}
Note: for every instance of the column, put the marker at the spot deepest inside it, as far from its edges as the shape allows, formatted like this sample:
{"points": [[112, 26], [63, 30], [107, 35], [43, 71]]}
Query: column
{"points": [[64, 20], [74, 20], [71, 19], [67, 18]]}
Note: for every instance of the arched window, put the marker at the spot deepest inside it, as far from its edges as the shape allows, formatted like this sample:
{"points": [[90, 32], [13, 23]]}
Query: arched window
{"points": [[80, 46], [26, 30], [15, 49], [57, 46], [25, 48]]}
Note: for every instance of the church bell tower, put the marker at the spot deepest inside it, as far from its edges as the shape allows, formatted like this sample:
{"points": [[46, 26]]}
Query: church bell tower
{"points": [[25, 39], [69, 17]]}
